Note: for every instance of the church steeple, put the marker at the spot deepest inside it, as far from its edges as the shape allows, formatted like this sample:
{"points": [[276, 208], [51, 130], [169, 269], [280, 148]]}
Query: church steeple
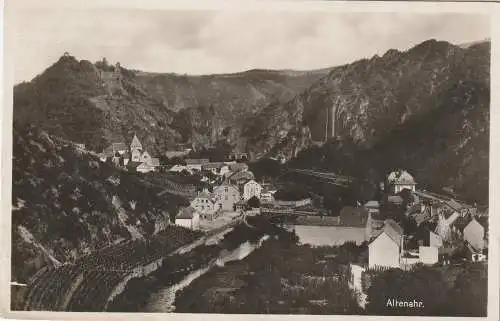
{"points": [[136, 144]]}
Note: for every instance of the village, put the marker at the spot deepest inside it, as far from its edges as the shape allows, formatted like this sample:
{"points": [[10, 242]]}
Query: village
{"points": [[404, 227]]}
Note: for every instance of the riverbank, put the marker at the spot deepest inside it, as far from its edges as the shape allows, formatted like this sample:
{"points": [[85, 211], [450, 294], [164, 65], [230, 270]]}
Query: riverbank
{"points": [[281, 277], [140, 291]]}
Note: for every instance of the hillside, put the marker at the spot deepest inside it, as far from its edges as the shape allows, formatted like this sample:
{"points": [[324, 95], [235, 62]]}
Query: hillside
{"points": [[434, 122], [72, 100], [367, 99], [67, 203]]}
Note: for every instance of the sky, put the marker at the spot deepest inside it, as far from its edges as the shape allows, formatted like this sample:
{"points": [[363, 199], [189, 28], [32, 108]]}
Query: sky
{"points": [[210, 41]]}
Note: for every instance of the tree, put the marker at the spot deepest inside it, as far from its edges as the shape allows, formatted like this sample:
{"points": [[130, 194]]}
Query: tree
{"points": [[469, 295], [253, 202]]}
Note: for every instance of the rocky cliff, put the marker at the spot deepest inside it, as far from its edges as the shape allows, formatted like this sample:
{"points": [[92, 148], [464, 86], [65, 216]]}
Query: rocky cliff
{"points": [[367, 99], [96, 103]]}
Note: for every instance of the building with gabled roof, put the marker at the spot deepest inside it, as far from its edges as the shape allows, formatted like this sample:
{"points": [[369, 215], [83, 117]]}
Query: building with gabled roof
{"points": [[475, 233], [386, 249], [226, 196], [250, 189], [240, 178], [353, 216], [399, 180], [204, 203], [188, 217]]}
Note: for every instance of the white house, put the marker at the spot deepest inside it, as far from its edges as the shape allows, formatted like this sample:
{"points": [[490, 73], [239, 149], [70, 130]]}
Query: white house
{"points": [[474, 234], [400, 180], [435, 240], [251, 189], [385, 250], [189, 218], [204, 204], [428, 254], [179, 168], [145, 168]]}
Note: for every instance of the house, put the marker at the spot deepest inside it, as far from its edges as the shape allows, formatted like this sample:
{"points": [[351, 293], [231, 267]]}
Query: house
{"points": [[395, 200], [238, 167], [145, 168], [155, 162], [145, 157], [428, 255], [356, 220], [188, 217], [475, 255], [132, 166], [214, 168], [385, 250], [240, 178], [80, 146], [250, 189], [475, 233], [241, 205], [373, 207], [426, 236], [121, 148], [224, 170], [196, 164], [204, 204], [226, 196], [399, 180], [179, 168]]}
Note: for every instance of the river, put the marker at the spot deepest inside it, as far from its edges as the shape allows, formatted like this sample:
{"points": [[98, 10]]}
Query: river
{"points": [[164, 299]]}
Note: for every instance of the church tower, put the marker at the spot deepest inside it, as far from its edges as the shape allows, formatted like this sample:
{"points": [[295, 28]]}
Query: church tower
{"points": [[135, 144]]}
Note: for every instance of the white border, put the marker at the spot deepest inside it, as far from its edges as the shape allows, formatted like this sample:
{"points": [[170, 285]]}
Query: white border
{"points": [[491, 9]]}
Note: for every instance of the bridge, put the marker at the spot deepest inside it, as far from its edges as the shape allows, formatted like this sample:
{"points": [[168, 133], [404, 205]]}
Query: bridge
{"points": [[329, 177]]}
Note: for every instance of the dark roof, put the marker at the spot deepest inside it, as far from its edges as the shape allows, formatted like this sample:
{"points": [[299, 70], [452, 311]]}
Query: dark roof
{"points": [[133, 165], [400, 177], [461, 222], [394, 231], [241, 175], [186, 213], [372, 204], [395, 199], [238, 166], [119, 146], [196, 161], [448, 213], [429, 225], [353, 216], [213, 165], [483, 220]]}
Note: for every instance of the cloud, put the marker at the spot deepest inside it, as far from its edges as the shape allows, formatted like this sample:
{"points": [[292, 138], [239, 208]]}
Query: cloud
{"points": [[200, 42]]}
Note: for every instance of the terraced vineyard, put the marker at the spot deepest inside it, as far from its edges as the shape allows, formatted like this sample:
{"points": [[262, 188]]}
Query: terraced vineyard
{"points": [[87, 284]]}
